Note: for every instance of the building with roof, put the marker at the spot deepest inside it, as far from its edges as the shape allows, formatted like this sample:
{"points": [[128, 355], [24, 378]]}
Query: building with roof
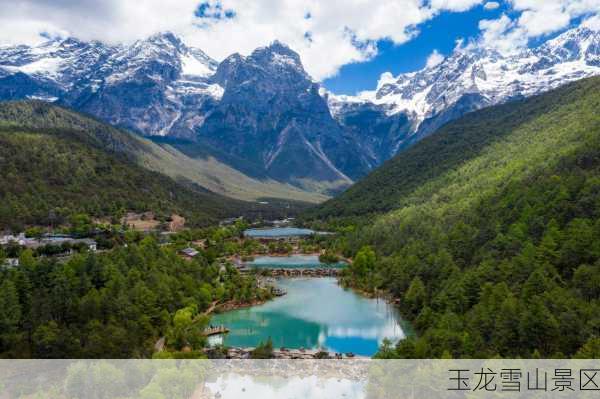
{"points": [[189, 253]]}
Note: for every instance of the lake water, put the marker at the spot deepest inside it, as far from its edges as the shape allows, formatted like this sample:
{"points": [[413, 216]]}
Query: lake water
{"points": [[234, 386], [315, 313], [278, 232], [291, 262]]}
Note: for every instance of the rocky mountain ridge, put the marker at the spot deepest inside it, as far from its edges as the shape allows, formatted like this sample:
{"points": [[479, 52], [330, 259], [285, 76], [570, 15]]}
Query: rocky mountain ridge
{"points": [[266, 114]]}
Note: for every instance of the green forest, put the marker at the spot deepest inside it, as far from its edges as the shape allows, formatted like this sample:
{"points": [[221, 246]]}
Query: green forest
{"points": [[57, 163], [488, 232], [116, 304]]}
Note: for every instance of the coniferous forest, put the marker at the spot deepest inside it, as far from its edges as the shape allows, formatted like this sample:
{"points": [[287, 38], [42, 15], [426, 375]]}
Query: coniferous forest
{"points": [[57, 163], [487, 233], [116, 304]]}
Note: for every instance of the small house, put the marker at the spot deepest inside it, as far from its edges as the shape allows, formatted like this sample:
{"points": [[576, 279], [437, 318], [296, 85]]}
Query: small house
{"points": [[11, 262], [189, 253]]}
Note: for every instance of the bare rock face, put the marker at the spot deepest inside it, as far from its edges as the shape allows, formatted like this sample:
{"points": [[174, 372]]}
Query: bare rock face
{"points": [[271, 113], [264, 113], [469, 79]]}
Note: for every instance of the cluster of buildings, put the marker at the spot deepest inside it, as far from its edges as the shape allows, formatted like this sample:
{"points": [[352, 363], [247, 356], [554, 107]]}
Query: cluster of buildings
{"points": [[46, 240]]}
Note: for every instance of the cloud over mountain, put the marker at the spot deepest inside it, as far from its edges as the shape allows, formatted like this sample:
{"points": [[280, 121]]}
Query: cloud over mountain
{"points": [[347, 31]]}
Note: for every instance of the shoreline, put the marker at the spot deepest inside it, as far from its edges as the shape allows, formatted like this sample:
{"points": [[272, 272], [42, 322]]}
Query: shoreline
{"points": [[231, 305], [238, 258], [239, 353]]}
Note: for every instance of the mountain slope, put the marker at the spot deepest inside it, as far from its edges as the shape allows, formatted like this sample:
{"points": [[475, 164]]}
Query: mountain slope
{"points": [[264, 117], [415, 175], [492, 245], [195, 163], [180, 161], [53, 159], [470, 78]]}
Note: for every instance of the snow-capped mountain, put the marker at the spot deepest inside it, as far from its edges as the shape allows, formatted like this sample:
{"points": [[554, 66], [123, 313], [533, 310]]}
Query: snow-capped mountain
{"points": [[272, 113], [263, 113], [145, 86], [470, 78]]}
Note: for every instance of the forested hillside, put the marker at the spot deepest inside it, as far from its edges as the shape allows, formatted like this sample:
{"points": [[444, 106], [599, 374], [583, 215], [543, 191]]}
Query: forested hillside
{"points": [[116, 304], [492, 245], [415, 174], [56, 163]]}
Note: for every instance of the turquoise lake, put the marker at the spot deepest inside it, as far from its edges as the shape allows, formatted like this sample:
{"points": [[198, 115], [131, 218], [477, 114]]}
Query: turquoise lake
{"points": [[290, 262], [277, 232], [315, 313]]}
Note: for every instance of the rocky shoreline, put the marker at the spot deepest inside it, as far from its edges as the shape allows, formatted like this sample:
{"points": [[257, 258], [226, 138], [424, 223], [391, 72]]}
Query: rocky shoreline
{"points": [[228, 306], [290, 354], [301, 272]]}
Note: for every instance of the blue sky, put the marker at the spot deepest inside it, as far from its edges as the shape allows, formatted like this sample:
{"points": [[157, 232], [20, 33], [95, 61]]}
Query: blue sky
{"points": [[347, 44], [440, 33]]}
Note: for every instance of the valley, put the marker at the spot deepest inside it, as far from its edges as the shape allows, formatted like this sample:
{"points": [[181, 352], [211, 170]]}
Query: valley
{"points": [[258, 125], [156, 203], [482, 244]]}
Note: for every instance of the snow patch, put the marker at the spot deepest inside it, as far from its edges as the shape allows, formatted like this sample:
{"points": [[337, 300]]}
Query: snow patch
{"points": [[190, 65], [44, 66], [283, 60], [49, 99]]}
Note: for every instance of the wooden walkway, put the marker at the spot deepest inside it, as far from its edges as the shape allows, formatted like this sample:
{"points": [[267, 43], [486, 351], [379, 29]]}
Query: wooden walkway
{"points": [[215, 331]]}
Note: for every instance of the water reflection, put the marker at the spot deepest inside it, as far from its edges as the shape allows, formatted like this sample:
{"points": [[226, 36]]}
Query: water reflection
{"points": [[315, 313], [236, 386], [290, 262], [278, 232]]}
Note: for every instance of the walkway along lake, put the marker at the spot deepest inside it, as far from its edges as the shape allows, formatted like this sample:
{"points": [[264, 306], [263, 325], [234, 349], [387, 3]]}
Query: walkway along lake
{"points": [[315, 313], [290, 262], [279, 232]]}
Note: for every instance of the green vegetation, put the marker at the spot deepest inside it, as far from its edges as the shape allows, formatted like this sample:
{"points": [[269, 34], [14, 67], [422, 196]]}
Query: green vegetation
{"points": [[263, 350], [329, 257], [183, 161], [56, 163], [115, 304], [487, 232], [48, 176]]}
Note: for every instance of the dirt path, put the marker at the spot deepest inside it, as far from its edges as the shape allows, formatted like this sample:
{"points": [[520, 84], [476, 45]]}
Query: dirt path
{"points": [[211, 308]]}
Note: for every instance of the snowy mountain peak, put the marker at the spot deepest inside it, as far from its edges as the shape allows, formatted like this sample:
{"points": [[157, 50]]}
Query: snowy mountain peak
{"points": [[165, 38], [265, 108], [275, 65], [278, 55], [484, 72], [404, 108], [278, 48]]}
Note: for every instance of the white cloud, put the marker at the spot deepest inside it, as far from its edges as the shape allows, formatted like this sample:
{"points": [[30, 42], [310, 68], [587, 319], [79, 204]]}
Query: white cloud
{"points": [[491, 5], [536, 18], [501, 34], [454, 5], [327, 34], [435, 58], [337, 32], [592, 22], [540, 17]]}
